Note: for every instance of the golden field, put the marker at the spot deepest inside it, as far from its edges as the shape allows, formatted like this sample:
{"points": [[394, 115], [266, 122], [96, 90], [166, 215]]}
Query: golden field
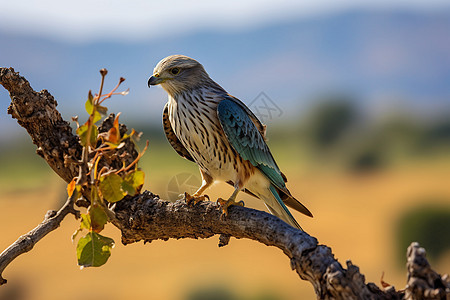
{"points": [[354, 215]]}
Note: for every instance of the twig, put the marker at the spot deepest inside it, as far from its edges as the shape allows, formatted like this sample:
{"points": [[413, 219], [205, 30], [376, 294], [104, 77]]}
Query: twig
{"points": [[26, 242]]}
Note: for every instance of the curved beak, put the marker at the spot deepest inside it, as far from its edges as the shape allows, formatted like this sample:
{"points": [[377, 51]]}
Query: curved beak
{"points": [[154, 80]]}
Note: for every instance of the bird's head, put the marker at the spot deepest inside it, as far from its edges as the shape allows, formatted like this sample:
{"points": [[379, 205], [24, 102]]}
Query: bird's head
{"points": [[178, 73]]}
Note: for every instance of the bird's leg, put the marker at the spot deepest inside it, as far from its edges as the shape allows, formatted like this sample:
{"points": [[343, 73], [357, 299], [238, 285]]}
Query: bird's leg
{"points": [[231, 201], [197, 196]]}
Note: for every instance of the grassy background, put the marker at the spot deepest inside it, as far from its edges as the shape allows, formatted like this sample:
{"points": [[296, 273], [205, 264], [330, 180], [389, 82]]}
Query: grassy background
{"points": [[366, 212]]}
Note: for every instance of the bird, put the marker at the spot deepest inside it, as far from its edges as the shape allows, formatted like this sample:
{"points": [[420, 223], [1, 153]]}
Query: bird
{"points": [[208, 126]]}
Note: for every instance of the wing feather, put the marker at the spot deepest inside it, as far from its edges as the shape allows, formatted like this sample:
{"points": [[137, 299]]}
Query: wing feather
{"points": [[247, 137], [172, 138], [247, 140]]}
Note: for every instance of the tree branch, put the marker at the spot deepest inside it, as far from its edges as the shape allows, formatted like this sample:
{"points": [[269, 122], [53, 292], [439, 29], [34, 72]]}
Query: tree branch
{"points": [[37, 113], [146, 217], [26, 242]]}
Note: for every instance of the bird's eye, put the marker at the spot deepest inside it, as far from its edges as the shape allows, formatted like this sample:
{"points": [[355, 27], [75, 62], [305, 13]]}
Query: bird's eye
{"points": [[175, 71]]}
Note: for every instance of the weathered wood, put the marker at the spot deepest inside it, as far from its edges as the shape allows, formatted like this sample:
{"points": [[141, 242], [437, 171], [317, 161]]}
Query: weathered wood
{"points": [[37, 113], [145, 217]]}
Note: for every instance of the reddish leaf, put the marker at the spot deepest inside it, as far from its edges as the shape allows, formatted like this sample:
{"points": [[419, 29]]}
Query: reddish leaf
{"points": [[71, 187]]}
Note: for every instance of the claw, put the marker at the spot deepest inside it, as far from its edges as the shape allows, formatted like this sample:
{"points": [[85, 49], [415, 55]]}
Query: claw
{"points": [[225, 204], [194, 198]]}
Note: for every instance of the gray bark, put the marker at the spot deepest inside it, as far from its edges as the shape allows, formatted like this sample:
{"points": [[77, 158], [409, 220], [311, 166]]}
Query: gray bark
{"points": [[145, 217]]}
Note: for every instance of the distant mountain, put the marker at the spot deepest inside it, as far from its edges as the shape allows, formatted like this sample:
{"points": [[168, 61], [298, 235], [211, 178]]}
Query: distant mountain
{"points": [[377, 56]]}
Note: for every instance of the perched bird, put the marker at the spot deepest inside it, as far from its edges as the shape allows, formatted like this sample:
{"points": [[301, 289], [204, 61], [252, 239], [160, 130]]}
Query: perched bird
{"points": [[208, 126]]}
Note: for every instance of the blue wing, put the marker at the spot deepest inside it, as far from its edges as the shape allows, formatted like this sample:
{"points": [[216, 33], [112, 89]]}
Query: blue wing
{"points": [[245, 133], [247, 140]]}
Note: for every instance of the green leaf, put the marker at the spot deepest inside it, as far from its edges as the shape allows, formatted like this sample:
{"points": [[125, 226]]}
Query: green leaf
{"points": [[135, 179], [89, 105], [115, 146], [133, 182], [128, 188], [98, 217], [82, 133], [93, 109], [111, 187], [85, 222], [93, 250], [97, 116], [90, 109]]}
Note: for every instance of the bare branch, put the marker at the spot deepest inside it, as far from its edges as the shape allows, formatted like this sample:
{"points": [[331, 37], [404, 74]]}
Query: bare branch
{"points": [[26, 242], [37, 113], [145, 217]]}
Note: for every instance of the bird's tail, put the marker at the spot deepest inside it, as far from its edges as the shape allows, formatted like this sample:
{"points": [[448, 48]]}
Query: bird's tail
{"points": [[278, 208]]}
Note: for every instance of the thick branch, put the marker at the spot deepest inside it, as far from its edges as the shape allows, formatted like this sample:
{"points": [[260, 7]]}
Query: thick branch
{"points": [[424, 282], [146, 217], [37, 113]]}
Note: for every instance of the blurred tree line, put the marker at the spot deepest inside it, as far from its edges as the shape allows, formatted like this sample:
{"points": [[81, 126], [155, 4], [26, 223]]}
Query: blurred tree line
{"points": [[336, 128]]}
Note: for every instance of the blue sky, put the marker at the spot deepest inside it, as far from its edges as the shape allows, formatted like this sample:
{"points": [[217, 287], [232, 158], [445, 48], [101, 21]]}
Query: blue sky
{"points": [[87, 20], [60, 45]]}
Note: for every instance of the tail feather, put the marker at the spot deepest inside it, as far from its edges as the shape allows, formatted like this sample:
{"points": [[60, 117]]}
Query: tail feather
{"points": [[285, 196], [294, 203], [278, 208]]}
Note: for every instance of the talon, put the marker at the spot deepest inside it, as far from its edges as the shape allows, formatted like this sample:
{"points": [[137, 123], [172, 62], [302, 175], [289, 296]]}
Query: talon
{"points": [[220, 201], [225, 204], [194, 198]]}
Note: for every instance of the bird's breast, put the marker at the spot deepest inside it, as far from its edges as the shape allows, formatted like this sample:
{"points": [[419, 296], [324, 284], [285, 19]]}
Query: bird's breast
{"points": [[198, 128]]}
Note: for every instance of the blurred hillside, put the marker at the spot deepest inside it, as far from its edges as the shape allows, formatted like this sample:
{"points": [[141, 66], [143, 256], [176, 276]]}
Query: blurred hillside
{"points": [[388, 59]]}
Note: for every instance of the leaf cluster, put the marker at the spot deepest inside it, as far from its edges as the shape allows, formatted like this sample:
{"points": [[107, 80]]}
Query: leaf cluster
{"points": [[103, 181]]}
